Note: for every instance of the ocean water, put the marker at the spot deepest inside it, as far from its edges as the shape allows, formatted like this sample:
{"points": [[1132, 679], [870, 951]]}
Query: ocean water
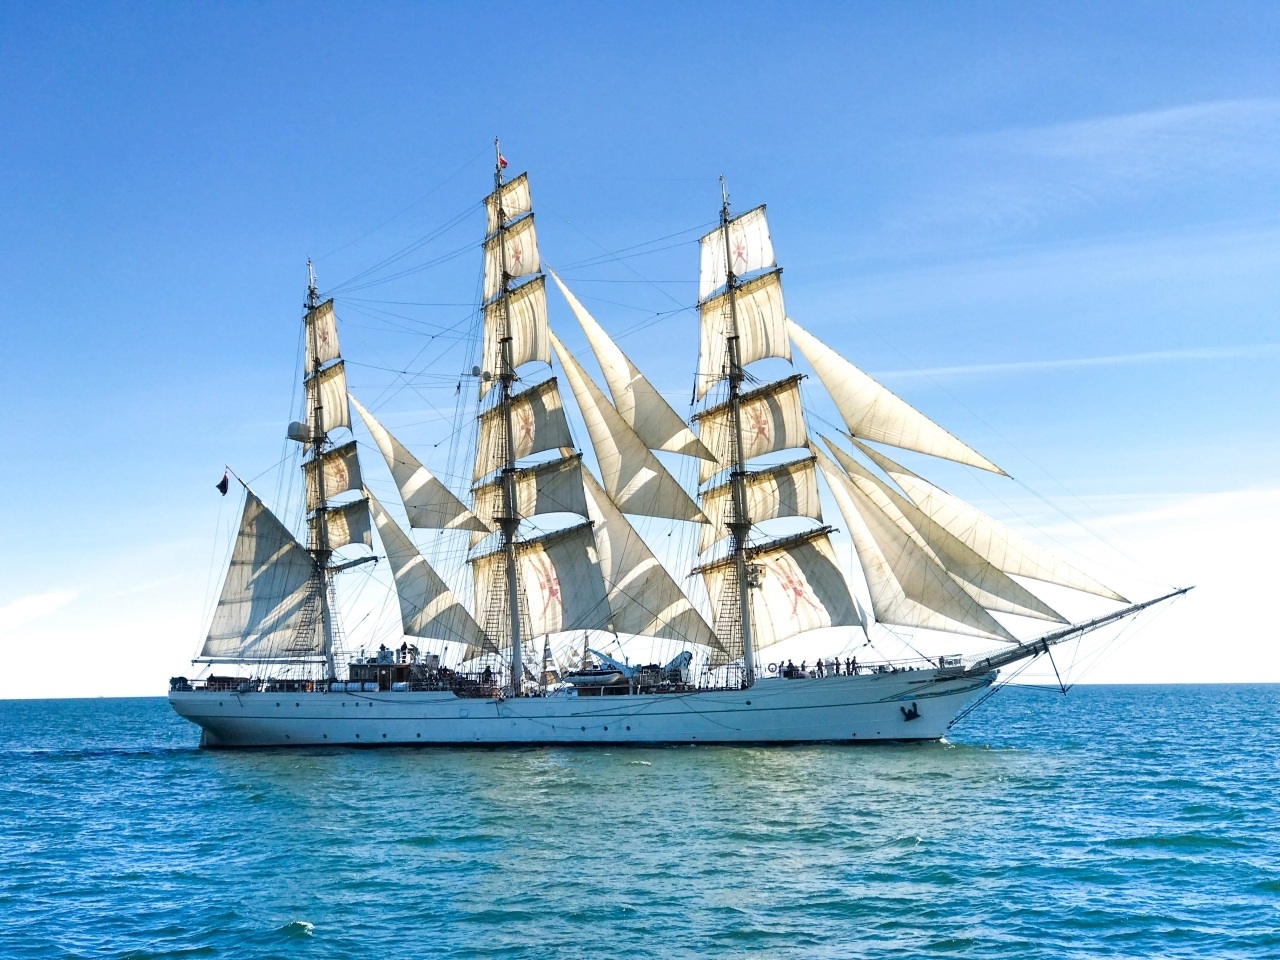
{"points": [[1115, 822]]}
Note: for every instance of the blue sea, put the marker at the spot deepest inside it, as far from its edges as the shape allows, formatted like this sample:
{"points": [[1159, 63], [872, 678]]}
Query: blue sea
{"points": [[1114, 822]]}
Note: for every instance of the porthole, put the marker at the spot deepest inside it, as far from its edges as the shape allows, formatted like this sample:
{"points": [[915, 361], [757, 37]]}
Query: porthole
{"points": [[606, 729], [357, 736], [419, 736], [628, 728]]}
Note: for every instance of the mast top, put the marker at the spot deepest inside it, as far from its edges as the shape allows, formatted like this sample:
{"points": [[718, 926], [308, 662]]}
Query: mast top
{"points": [[724, 199], [499, 164], [313, 297]]}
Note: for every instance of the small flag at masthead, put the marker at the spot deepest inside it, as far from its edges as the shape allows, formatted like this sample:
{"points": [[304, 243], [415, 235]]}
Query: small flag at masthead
{"points": [[224, 483]]}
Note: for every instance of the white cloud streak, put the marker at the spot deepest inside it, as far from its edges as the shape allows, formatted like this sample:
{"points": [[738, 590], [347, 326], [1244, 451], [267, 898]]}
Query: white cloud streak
{"points": [[27, 610], [1121, 359]]}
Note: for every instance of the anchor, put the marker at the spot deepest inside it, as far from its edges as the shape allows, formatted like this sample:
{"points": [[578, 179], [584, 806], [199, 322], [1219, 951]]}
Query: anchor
{"points": [[912, 713]]}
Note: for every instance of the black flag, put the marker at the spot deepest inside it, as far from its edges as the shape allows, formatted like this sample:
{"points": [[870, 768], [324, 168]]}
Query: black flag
{"points": [[223, 484]]}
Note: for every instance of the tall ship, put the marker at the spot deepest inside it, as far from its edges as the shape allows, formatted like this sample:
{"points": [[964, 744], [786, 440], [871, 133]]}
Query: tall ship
{"points": [[638, 595]]}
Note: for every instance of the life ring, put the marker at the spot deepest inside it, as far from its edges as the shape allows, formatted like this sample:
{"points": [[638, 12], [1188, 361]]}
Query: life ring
{"points": [[773, 668]]}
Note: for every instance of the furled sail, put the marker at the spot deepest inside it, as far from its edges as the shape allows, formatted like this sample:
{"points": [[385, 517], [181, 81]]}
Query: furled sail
{"points": [[328, 388], [340, 470], [632, 475], [323, 346], [643, 598], [537, 423], [521, 245], [908, 587], [786, 490], [874, 413], [427, 502], [992, 588], [270, 602], [516, 202], [428, 608], [761, 328], [560, 578], [750, 249], [638, 403], [551, 487], [772, 419], [525, 322], [800, 588], [347, 524], [1009, 551]]}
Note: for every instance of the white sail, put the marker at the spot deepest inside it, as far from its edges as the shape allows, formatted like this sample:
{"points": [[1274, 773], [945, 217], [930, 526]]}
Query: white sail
{"points": [[632, 475], [347, 524], [516, 202], [750, 249], [537, 423], [428, 608], [551, 487], [1008, 551], [643, 598], [786, 490], [772, 419], [874, 413], [428, 503], [559, 576], [524, 320], [908, 587], [761, 328], [634, 397], [521, 244], [801, 588], [270, 602], [321, 335], [990, 587], [328, 388], [340, 469]]}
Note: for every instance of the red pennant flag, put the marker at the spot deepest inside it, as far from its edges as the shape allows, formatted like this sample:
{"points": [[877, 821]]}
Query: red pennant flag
{"points": [[224, 484], [502, 161]]}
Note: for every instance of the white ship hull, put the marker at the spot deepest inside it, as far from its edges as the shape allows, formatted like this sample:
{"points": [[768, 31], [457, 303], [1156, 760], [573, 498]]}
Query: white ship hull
{"points": [[913, 705]]}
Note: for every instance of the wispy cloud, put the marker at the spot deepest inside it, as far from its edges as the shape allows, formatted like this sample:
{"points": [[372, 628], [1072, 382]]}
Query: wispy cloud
{"points": [[27, 610], [1012, 180], [1120, 359]]}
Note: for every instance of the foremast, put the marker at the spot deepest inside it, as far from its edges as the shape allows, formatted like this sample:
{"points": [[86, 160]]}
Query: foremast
{"points": [[509, 520], [739, 523]]}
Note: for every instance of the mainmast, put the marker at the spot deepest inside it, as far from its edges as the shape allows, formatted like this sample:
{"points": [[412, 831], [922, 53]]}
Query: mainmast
{"points": [[319, 530], [739, 523], [509, 521]]}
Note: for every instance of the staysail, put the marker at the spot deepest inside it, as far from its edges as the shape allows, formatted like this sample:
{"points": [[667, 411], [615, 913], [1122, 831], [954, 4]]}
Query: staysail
{"points": [[643, 597], [428, 608], [908, 587], [428, 503], [989, 586], [1009, 551], [637, 402], [874, 413], [632, 475]]}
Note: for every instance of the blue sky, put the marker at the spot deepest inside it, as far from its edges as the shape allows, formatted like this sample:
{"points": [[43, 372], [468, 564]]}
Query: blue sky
{"points": [[1054, 228]]}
